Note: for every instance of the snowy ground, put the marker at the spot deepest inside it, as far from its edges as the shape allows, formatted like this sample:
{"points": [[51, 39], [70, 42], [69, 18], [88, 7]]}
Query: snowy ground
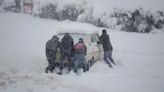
{"points": [[139, 58]]}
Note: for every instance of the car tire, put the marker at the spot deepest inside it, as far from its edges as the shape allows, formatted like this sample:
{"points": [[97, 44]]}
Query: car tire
{"points": [[91, 62]]}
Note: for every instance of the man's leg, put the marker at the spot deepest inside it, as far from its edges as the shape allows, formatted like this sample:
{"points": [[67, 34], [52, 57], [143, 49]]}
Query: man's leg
{"points": [[76, 63], [110, 57], [75, 66], [106, 58], [107, 61], [62, 61], [47, 69], [84, 63], [53, 61], [50, 68], [49, 64], [51, 57], [68, 55]]}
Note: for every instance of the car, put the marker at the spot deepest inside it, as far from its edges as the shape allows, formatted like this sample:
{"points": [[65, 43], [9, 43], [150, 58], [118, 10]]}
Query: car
{"points": [[91, 40]]}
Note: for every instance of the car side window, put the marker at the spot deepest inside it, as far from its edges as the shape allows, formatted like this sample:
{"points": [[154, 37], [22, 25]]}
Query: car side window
{"points": [[94, 37]]}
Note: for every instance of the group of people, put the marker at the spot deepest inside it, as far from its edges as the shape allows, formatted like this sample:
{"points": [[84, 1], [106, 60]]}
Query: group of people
{"points": [[75, 54]]}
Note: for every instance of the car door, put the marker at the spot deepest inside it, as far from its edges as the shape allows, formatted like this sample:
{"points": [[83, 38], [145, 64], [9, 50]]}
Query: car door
{"points": [[96, 48]]}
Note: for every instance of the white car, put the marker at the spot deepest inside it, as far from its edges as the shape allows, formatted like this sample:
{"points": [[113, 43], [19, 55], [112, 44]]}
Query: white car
{"points": [[91, 39]]}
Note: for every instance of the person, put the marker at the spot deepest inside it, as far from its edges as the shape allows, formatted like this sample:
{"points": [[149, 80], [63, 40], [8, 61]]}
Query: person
{"points": [[52, 48], [17, 5], [80, 52], [67, 43], [107, 47]]}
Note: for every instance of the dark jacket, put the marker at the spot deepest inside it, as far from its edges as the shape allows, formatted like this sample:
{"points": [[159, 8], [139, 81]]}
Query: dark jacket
{"points": [[105, 41], [67, 42], [52, 45]]}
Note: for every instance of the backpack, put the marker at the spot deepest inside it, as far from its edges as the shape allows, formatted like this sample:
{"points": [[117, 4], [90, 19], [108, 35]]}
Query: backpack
{"points": [[79, 47]]}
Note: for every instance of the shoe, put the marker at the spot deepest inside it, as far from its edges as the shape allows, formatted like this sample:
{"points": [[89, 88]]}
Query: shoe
{"points": [[110, 65], [60, 73]]}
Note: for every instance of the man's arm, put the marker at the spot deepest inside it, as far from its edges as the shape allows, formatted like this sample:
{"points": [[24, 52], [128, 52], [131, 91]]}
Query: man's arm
{"points": [[100, 40], [85, 50]]}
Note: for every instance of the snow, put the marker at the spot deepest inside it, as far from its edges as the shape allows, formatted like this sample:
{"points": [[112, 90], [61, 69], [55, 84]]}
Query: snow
{"points": [[139, 59], [101, 6]]}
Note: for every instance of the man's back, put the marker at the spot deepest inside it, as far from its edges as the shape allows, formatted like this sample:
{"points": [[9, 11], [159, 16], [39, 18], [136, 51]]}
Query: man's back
{"points": [[80, 48], [67, 42], [52, 44], [104, 39]]}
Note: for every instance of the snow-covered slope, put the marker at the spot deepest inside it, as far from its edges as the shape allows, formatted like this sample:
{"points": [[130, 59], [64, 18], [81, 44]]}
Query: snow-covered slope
{"points": [[139, 59]]}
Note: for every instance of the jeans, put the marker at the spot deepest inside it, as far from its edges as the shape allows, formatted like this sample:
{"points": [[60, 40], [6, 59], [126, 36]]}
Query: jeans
{"points": [[108, 55], [79, 61], [66, 53]]}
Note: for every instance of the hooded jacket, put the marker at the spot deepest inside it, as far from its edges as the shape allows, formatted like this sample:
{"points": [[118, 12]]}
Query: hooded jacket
{"points": [[105, 41], [67, 42], [53, 44]]}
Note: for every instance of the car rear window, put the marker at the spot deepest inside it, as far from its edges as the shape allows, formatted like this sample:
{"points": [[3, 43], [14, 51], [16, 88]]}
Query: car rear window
{"points": [[75, 36]]}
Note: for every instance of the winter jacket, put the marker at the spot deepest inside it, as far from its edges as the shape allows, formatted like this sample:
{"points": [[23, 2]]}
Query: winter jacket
{"points": [[105, 41], [80, 48], [52, 45], [67, 42]]}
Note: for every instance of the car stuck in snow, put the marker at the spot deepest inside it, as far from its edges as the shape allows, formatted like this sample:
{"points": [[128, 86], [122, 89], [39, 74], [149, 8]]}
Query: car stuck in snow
{"points": [[93, 53], [91, 40]]}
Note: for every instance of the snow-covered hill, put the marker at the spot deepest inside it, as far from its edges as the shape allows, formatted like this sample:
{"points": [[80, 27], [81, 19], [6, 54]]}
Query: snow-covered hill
{"points": [[139, 58]]}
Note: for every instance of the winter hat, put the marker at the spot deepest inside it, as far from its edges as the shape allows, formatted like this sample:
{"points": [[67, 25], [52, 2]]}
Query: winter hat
{"points": [[67, 35], [81, 40], [55, 37], [103, 31]]}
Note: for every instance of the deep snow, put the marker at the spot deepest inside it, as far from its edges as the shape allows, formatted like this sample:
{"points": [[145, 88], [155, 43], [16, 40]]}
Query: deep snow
{"points": [[139, 58]]}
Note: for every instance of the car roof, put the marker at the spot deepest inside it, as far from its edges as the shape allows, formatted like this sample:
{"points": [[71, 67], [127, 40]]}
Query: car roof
{"points": [[77, 32]]}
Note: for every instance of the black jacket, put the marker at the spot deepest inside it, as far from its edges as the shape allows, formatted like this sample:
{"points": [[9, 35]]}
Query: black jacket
{"points": [[105, 41], [67, 42]]}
